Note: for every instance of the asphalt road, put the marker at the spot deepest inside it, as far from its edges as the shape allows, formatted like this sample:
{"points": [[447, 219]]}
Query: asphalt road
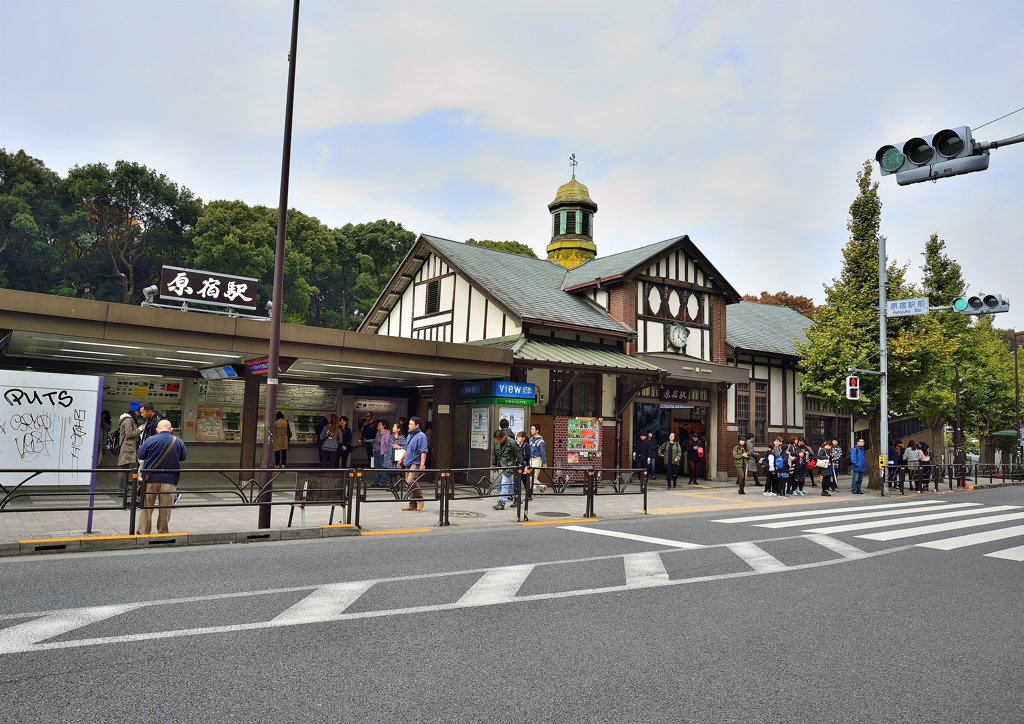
{"points": [[714, 622]]}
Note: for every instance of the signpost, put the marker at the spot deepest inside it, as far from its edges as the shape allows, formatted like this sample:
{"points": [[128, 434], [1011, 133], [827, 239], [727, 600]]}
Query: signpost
{"points": [[907, 307]]}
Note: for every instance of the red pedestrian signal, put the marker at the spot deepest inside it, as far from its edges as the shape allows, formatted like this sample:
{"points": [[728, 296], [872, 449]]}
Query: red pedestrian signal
{"points": [[852, 387]]}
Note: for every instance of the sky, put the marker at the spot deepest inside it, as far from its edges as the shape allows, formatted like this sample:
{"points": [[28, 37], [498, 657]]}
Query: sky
{"points": [[741, 124]]}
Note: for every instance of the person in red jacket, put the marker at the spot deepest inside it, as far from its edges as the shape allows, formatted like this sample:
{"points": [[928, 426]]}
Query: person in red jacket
{"points": [[696, 449]]}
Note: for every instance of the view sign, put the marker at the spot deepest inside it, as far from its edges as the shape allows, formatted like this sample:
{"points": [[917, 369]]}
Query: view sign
{"points": [[221, 290]]}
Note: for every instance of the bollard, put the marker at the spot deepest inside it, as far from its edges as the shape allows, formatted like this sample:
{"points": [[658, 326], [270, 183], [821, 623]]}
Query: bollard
{"points": [[135, 488]]}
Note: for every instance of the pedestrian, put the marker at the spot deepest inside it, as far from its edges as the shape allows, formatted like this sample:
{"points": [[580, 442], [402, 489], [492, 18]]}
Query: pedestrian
{"points": [[893, 464], [344, 441], [506, 459], [415, 459], [152, 419], [128, 439], [771, 481], [859, 466], [740, 456], [538, 457], [329, 443], [825, 467], [381, 449], [105, 427], [394, 451], [901, 450], [163, 453], [837, 459], [672, 454], [642, 453], [799, 453], [282, 434], [808, 460], [912, 457], [524, 452], [367, 433], [752, 459], [694, 456], [783, 468], [926, 466]]}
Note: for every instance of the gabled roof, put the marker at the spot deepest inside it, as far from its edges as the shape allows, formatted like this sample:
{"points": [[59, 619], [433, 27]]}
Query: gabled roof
{"points": [[627, 263], [526, 287], [541, 352], [755, 327]]}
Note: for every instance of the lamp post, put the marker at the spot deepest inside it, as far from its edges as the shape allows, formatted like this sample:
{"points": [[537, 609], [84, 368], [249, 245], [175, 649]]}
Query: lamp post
{"points": [[1018, 339], [270, 410]]}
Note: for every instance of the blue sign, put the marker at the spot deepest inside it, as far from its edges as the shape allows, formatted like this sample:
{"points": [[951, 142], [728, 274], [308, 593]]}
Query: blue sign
{"points": [[518, 390]]}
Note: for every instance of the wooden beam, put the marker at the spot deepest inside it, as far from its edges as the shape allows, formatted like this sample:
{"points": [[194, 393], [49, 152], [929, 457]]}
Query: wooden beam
{"points": [[557, 395]]}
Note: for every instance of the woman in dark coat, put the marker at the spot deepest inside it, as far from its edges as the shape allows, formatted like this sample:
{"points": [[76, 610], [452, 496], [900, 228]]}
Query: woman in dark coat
{"points": [[695, 451]]}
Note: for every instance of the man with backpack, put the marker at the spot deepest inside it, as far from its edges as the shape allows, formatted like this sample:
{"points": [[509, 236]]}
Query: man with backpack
{"points": [[783, 467], [507, 459], [124, 441], [859, 466]]}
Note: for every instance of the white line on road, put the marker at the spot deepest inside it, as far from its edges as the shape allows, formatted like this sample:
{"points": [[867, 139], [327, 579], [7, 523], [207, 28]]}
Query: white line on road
{"points": [[837, 546], [853, 516], [326, 603], [632, 536], [757, 558], [30, 641], [973, 539], [499, 585], [940, 527], [913, 519], [779, 516], [21, 636], [644, 569], [1010, 554]]}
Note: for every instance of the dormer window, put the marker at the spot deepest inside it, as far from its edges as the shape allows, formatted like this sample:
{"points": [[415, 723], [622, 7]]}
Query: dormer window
{"points": [[586, 224], [570, 222]]}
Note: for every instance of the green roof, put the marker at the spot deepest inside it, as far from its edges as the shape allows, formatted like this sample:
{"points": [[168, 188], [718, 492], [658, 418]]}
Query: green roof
{"points": [[607, 267], [528, 287], [755, 327], [559, 353]]}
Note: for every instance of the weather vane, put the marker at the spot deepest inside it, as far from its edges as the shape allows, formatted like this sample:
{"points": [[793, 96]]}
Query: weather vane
{"points": [[573, 163]]}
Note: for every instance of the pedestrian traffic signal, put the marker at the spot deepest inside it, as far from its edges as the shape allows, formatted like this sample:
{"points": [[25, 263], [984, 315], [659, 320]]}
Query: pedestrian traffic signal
{"points": [[950, 152], [981, 304], [852, 387]]}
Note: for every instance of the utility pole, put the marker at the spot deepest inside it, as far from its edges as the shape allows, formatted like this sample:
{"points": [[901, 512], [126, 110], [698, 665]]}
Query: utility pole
{"points": [[273, 361], [1017, 337], [883, 361], [958, 441]]}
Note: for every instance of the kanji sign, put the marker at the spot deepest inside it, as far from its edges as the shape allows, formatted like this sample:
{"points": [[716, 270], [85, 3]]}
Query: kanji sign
{"points": [[221, 290], [907, 307]]}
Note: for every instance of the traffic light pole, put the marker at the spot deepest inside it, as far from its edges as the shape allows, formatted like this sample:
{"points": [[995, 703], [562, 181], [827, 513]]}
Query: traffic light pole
{"points": [[883, 362]]}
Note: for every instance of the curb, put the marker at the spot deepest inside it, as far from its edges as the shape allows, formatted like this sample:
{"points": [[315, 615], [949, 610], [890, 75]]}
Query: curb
{"points": [[46, 546]]}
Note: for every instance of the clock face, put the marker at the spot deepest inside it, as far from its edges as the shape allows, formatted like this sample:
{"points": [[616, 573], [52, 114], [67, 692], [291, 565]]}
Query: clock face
{"points": [[677, 335]]}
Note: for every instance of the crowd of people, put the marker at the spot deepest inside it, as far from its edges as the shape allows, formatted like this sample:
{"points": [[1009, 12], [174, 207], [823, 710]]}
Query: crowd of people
{"points": [[788, 465], [689, 455]]}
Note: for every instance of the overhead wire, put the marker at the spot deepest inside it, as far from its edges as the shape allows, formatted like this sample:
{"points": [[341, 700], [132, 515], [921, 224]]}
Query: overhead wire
{"points": [[975, 128]]}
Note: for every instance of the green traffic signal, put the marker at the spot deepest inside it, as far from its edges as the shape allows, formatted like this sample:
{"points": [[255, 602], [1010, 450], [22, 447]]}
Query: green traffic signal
{"points": [[890, 158], [960, 304]]}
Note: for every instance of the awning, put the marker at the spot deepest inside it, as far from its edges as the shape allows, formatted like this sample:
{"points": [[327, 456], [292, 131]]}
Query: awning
{"points": [[539, 353], [679, 367]]}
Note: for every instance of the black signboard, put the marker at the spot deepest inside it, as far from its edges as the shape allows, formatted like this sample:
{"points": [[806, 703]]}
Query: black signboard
{"points": [[683, 394], [221, 290]]}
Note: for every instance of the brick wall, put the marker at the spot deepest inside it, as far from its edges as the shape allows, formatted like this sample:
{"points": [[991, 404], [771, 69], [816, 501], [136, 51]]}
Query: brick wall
{"points": [[622, 303], [725, 440], [718, 355]]}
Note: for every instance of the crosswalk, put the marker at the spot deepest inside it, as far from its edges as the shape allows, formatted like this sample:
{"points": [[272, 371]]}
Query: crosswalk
{"points": [[901, 521]]}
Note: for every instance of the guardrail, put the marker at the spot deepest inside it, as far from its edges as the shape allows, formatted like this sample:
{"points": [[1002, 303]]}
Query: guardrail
{"points": [[928, 478]]}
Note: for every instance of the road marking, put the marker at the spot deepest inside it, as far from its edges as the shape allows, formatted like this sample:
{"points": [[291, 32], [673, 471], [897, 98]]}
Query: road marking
{"points": [[1010, 554], [632, 536], [853, 516], [644, 570], [940, 527], [395, 532], [972, 539], [326, 603], [757, 558], [913, 519], [36, 641], [837, 546], [499, 585], [22, 636], [779, 516]]}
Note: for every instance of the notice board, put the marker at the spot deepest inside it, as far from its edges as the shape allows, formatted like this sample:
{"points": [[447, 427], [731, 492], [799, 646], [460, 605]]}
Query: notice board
{"points": [[49, 421]]}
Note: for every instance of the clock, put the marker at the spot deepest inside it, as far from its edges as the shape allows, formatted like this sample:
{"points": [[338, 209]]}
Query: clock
{"points": [[677, 335]]}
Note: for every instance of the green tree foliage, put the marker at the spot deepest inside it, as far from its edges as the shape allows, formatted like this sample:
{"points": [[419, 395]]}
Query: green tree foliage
{"points": [[512, 247], [33, 206], [845, 329], [803, 305], [379, 247]]}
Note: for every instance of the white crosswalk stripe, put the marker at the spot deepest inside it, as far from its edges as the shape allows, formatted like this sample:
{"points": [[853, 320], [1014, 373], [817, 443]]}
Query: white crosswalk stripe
{"points": [[1010, 554], [855, 516], [913, 519], [973, 539], [940, 527], [805, 513]]}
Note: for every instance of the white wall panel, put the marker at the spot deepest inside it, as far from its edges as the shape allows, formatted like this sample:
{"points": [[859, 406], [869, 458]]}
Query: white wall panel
{"points": [[799, 402], [693, 343], [707, 345], [445, 301], [419, 299], [461, 320], [476, 316], [760, 372], [775, 397], [511, 327], [406, 313], [640, 337], [655, 337], [432, 320], [607, 396], [790, 395], [601, 297], [730, 402], [494, 316]]}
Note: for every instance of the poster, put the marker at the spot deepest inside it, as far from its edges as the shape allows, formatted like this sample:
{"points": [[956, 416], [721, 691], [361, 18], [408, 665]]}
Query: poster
{"points": [[582, 434], [480, 428], [230, 393], [210, 425], [516, 417], [142, 389]]}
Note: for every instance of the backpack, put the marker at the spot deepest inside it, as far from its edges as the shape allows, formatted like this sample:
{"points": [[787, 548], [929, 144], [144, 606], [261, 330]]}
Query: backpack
{"points": [[114, 441], [766, 464]]}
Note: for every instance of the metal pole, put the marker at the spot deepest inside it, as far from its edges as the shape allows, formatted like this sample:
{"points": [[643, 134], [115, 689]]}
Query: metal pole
{"points": [[270, 410], [958, 458], [883, 361], [1016, 382]]}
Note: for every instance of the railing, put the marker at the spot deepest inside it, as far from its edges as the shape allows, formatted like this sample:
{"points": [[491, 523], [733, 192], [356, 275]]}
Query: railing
{"points": [[308, 487], [396, 485], [930, 477]]}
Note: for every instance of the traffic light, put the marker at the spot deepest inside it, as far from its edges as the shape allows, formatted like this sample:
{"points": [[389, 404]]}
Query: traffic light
{"points": [[950, 152], [981, 304], [852, 387]]}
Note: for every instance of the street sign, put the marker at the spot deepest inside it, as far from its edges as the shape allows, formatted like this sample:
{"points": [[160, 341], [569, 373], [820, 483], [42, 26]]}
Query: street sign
{"points": [[907, 307]]}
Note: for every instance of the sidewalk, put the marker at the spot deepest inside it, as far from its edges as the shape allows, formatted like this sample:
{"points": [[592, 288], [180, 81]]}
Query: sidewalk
{"points": [[384, 516]]}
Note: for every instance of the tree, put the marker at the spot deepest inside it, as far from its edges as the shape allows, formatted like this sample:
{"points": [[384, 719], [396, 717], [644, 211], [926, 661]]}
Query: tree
{"points": [[987, 392], [379, 247], [32, 206], [803, 305], [845, 329], [512, 247]]}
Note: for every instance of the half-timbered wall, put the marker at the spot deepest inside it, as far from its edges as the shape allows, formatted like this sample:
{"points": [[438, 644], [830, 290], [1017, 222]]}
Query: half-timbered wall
{"points": [[443, 306]]}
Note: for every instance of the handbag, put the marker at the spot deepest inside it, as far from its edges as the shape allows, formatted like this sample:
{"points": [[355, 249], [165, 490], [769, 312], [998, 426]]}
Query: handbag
{"points": [[399, 456], [822, 463]]}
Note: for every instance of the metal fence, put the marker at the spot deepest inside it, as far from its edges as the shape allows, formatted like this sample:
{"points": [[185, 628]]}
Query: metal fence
{"points": [[931, 478]]}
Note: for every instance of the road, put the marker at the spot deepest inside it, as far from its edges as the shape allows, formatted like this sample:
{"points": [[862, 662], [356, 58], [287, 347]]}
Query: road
{"points": [[852, 612]]}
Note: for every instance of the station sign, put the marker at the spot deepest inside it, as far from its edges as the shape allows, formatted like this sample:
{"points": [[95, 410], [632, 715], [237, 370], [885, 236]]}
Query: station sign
{"points": [[517, 401], [907, 307], [220, 290], [259, 366], [507, 390], [684, 394]]}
